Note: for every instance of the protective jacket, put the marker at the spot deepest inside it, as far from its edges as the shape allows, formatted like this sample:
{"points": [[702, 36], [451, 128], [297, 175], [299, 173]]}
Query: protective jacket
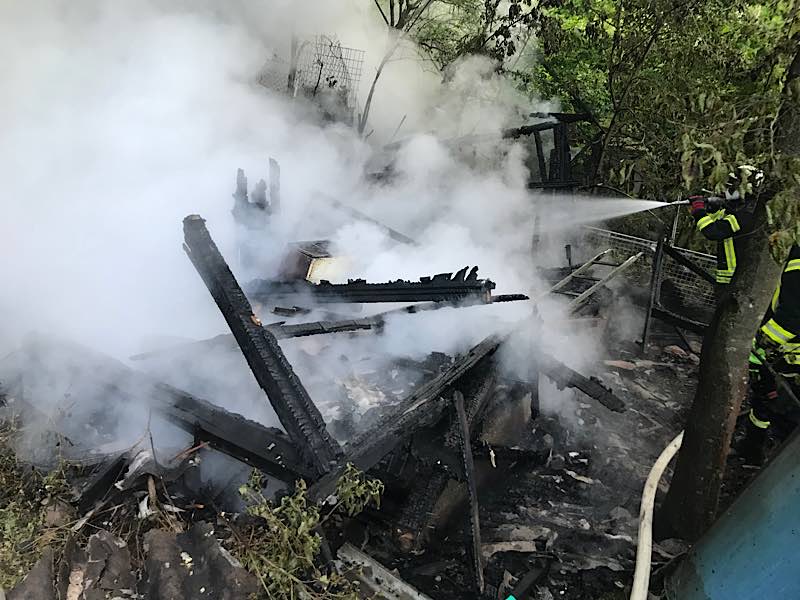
{"points": [[724, 226], [780, 328], [782, 322]]}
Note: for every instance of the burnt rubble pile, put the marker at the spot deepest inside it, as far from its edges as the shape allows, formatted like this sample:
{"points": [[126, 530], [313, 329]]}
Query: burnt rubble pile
{"points": [[483, 494]]}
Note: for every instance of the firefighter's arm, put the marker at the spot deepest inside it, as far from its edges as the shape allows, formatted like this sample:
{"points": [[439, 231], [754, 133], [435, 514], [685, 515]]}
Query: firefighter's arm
{"points": [[719, 225]]}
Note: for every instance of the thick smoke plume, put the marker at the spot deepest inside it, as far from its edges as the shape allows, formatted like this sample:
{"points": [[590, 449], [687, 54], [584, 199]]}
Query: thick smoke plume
{"points": [[121, 118]]}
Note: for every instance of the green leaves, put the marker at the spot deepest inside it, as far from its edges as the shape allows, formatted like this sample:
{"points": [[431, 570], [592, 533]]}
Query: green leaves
{"points": [[355, 491], [282, 547]]}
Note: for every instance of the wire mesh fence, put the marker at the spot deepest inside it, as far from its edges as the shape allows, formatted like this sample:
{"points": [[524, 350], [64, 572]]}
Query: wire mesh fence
{"points": [[680, 288], [324, 65]]}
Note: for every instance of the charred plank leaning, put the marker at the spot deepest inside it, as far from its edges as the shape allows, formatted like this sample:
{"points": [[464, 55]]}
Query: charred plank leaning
{"points": [[265, 448], [295, 409]]}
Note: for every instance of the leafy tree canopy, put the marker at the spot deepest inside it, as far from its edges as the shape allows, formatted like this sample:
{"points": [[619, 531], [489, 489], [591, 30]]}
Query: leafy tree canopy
{"points": [[678, 91]]}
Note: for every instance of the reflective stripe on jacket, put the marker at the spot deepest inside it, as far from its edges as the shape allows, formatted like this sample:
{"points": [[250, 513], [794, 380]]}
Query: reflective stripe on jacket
{"points": [[723, 226], [781, 324]]}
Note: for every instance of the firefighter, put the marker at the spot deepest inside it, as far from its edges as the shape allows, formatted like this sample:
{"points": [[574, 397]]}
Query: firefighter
{"points": [[726, 220], [777, 343]]}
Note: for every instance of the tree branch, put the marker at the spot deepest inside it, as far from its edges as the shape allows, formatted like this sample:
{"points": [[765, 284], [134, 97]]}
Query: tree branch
{"points": [[383, 14]]}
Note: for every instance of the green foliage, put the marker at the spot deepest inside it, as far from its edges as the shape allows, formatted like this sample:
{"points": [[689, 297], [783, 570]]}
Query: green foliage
{"points": [[24, 496], [450, 29], [696, 81], [282, 547], [678, 92], [355, 491]]}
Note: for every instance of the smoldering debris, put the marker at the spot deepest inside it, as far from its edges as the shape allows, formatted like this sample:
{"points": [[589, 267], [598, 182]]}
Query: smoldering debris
{"points": [[442, 435], [441, 400], [460, 422]]}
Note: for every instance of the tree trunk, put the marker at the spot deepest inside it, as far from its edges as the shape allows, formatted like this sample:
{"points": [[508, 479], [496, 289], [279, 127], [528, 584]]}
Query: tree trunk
{"points": [[691, 503]]}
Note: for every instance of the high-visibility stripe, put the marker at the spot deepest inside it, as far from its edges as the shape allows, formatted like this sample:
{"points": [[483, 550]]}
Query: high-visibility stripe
{"points": [[758, 422], [709, 219], [730, 254], [792, 265], [776, 297], [777, 333], [734, 222], [724, 278], [755, 359]]}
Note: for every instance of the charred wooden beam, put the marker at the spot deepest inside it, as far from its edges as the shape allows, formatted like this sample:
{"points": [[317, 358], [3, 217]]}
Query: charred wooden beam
{"points": [[461, 287], [283, 331], [437, 460], [375, 580], [98, 483], [295, 409], [357, 214], [421, 408], [265, 448], [563, 376], [563, 117], [324, 327], [526, 130], [468, 473], [510, 298]]}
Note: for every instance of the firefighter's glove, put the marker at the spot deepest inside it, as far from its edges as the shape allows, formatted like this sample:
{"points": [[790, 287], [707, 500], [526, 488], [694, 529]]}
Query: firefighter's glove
{"points": [[697, 204], [766, 348]]}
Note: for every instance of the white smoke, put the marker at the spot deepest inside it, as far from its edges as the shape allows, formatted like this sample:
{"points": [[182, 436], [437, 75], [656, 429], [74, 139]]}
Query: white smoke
{"points": [[119, 119]]}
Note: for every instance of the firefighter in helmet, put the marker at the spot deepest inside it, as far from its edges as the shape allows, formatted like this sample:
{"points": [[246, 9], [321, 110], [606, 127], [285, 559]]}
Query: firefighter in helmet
{"points": [[727, 219]]}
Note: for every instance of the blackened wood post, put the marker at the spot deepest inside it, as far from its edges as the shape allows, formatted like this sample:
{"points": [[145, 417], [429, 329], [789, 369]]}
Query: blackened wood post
{"points": [[473, 520], [296, 411]]}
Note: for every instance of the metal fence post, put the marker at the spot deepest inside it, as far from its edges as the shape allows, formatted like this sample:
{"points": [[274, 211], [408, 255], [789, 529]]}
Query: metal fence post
{"points": [[655, 291]]}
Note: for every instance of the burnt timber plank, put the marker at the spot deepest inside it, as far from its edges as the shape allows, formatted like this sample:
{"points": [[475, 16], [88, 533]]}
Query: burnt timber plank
{"points": [[99, 483], [468, 473], [265, 448], [283, 331], [295, 409], [444, 287], [421, 408], [563, 376]]}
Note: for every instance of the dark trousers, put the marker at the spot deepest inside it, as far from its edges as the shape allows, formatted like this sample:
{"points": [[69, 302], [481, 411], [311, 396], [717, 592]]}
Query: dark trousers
{"points": [[769, 407]]}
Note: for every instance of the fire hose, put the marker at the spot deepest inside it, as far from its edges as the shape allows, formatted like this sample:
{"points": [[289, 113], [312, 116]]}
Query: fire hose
{"points": [[644, 550]]}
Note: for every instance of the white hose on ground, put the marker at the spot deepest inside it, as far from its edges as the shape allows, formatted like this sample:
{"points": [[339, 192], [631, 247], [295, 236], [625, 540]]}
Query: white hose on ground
{"points": [[644, 551]]}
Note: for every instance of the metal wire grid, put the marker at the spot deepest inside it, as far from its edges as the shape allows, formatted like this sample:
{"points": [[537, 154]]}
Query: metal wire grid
{"points": [[324, 64], [693, 290]]}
